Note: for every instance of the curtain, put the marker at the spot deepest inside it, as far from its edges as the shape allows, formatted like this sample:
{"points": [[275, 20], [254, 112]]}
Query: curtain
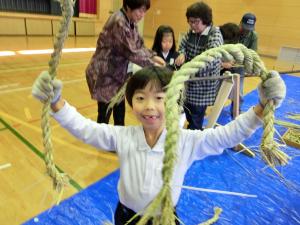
{"points": [[25, 6], [87, 8], [47, 7]]}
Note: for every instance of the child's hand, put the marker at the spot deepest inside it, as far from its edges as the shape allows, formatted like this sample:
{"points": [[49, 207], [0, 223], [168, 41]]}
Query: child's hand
{"points": [[273, 88], [159, 61], [42, 88], [180, 60]]}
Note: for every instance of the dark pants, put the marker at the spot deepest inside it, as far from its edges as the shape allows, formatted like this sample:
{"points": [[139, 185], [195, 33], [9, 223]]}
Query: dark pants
{"points": [[123, 214], [195, 116], [118, 113]]}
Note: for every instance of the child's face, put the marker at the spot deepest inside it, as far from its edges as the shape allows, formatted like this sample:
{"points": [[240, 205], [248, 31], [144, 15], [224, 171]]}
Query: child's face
{"points": [[196, 24], [148, 106], [167, 42]]}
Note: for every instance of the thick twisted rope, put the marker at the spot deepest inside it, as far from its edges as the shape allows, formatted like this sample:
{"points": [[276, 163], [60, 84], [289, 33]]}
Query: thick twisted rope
{"points": [[270, 153], [60, 180]]}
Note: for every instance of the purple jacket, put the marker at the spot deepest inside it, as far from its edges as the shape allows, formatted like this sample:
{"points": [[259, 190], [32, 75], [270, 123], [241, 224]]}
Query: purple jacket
{"points": [[118, 43]]}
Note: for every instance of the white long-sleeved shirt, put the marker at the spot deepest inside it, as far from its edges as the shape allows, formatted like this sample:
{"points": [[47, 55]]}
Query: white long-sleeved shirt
{"points": [[140, 166]]}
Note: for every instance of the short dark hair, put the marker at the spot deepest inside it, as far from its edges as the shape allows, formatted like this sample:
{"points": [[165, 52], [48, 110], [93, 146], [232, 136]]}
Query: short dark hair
{"points": [[160, 76], [230, 33], [135, 4], [200, 10], [161, 30]]}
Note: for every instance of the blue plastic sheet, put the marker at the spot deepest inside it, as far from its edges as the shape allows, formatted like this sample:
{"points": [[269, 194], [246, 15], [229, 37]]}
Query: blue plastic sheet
{"points": [[277, 202]]}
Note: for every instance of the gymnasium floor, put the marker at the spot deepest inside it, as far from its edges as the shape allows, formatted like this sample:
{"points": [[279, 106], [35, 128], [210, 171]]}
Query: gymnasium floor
{"points": [[25, 190]]}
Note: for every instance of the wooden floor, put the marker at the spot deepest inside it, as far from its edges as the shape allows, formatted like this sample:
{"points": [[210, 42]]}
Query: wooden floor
{"points": [[25, 190]]}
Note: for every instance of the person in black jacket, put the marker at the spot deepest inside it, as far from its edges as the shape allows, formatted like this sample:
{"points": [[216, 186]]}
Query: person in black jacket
{"points": [[164, 45]]}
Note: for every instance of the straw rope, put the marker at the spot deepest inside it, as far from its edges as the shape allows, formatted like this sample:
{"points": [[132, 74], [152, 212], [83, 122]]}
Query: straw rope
{"points": [[60, 180]]}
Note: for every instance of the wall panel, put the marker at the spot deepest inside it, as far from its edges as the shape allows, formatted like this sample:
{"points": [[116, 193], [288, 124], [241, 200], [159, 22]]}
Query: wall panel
{"points": [[12, 26], [85, 28], [38, 27]]}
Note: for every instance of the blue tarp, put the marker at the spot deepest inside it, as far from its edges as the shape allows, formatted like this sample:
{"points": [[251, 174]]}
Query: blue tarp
{"points": [[277, 202]]}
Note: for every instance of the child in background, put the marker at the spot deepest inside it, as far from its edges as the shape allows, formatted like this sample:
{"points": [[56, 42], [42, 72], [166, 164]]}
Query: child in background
{"points": [[141, 148], [231, 35], [164, 45]]}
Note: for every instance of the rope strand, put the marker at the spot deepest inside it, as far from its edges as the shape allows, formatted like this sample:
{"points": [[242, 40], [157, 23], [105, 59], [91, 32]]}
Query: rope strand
{"points": [[60, 180]]}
